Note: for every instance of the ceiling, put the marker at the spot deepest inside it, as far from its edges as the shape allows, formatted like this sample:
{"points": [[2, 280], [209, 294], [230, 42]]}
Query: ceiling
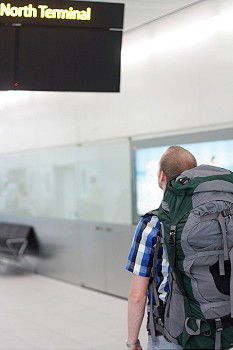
{"points": [[138, 12]]}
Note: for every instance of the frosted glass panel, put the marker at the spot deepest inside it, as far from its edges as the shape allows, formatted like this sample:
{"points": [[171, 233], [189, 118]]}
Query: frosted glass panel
{"points": [[89, 182], [105, 182]]}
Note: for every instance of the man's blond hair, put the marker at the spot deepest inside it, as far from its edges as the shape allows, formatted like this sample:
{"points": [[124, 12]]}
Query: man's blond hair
{"points": [[175, 160]]}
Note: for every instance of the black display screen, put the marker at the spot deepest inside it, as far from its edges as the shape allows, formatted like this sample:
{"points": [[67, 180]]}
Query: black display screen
{"points": [[7, 57], [68, 59]]}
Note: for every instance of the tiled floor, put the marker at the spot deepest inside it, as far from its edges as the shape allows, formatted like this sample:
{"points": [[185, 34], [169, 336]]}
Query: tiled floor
{"points": [[41, 313]]}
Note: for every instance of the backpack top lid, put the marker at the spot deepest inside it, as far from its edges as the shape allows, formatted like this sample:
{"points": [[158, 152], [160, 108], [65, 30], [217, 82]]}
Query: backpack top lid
{"points": [[203, 170], [194, 187], [200, 179]]}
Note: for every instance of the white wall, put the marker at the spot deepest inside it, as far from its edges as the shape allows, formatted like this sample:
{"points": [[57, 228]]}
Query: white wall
{"points": [[177, 76]]}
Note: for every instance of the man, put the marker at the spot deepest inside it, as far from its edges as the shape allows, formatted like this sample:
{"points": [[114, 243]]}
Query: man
{"points": [[173, 162]]}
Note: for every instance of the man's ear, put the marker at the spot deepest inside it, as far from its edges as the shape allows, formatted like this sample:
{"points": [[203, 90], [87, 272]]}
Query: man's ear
{"points": [[163, 179], [163, 176], [159, 177]]}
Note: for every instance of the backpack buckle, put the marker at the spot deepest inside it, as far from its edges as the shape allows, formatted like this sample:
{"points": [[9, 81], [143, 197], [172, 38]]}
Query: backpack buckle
{"points": [[172, 238], [160, 322], [218, 324], [184, 180], [207, 333]]}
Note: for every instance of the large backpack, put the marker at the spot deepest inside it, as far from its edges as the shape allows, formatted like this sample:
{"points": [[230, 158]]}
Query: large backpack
{"points": [[196, 217]]}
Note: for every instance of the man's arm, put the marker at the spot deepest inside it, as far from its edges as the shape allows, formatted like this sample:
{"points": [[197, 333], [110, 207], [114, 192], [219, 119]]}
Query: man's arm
{"points": [[136, 306], [140, 261]]}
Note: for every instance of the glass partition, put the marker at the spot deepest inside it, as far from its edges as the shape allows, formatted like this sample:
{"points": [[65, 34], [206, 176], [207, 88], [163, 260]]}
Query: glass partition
{"points": [[148, 195], [89, 182]]}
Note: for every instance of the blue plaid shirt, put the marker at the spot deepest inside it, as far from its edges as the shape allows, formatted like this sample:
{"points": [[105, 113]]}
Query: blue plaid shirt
{"points": [[140, 259]]}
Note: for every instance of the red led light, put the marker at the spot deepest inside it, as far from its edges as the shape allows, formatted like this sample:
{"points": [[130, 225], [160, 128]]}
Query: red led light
{"points": [[16, 84]]}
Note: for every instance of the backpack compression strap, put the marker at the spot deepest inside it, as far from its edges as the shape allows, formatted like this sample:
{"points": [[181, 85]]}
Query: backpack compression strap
{"points": [[154, 297], [155, 321]]}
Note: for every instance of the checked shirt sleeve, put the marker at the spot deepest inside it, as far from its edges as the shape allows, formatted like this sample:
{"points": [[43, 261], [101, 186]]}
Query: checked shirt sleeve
{"points": [[140, 259]]}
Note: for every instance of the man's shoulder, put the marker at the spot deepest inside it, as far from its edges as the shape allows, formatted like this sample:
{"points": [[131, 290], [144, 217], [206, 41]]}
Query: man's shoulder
{"points": [[149, 223], [141, 252], [150, 216]]}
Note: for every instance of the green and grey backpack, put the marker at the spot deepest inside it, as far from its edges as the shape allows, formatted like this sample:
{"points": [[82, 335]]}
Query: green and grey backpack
{"points": [[196, 217]]}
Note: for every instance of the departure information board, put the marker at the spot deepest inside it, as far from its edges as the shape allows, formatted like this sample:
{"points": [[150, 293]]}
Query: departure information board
{"points": [[60, 45]]}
